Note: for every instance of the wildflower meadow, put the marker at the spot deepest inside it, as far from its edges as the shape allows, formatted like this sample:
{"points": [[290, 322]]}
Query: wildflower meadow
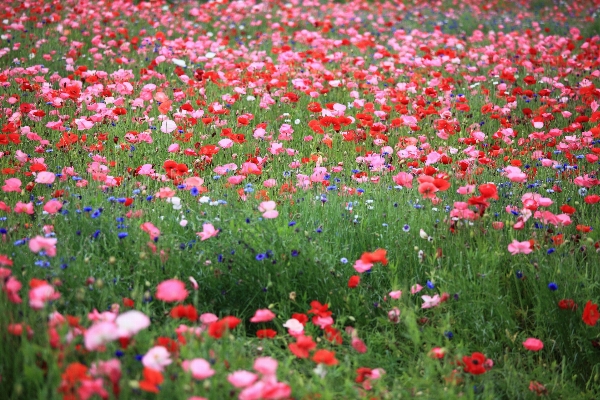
{"points": [[299, 199]]}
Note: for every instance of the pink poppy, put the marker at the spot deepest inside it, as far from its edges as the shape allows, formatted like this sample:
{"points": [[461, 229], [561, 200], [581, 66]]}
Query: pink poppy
{"points": [[533, 344], [157, 358], [40, 243], [516, 247], [99, 334], [12, 185], [263, 315], [208, 231], [199, 368], [45, 177], [171, 290], [53, 206], [268, 209], [241, 379]]}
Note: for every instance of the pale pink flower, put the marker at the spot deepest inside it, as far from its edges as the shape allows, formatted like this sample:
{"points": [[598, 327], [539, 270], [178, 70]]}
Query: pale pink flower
{"points": [[99, 334], [267, 366], [199, 367], [268, 209], [131, 322], [171, 290], [225, 143], [416, 289], [168, 126], [174, 148], [270, 183], [360, 266], [295, 327], [396, 294], [517, 247], [262, 315], [45, 177], [208, 231], [39, 295], [40, 243], [241, 379], [429, 302], [157, 358]]}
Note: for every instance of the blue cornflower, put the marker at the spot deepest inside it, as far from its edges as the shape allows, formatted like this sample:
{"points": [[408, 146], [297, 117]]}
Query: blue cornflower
{"points": [[294, 253], [430, 285], [292, 223], [260, 256], [553, 286], [344, 260], [122, 235], [194, 191], [519, 274], [406, 228]]}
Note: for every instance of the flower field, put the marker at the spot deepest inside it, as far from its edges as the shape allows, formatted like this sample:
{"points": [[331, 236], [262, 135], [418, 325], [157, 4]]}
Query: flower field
{"points": [[299, 200]]}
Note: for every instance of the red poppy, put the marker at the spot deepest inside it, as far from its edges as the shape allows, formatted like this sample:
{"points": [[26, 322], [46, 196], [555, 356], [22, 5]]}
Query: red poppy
{"points": [[378, 255], [590, 313], [185, 311], [152, 379], [474, 364], [266, 333], [325, 357], [567, 304], [302, 347], [353, 281]]}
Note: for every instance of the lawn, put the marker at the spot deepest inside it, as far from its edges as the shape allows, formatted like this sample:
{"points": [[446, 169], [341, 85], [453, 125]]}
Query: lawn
{"points": [[299, 200]]}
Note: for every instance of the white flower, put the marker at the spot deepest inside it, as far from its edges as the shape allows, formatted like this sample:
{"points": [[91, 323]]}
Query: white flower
{"points": [[423, 234], [179, 62], [210, 54]]}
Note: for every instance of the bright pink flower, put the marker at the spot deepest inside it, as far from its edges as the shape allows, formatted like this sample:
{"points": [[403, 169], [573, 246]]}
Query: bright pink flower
{"points": [[403, 179], [40, 243], [208, 231], [171, 290], [26, 208], [53, 206], [39, 295], [263, 315], [533, 344], [12, 185]]}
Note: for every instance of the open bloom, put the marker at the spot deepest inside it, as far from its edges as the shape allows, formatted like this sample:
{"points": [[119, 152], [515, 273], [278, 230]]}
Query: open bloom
{"points": [[268, 209], [40, 243], [171, 290], [208, 231], [516, 247], [263, 315]]}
